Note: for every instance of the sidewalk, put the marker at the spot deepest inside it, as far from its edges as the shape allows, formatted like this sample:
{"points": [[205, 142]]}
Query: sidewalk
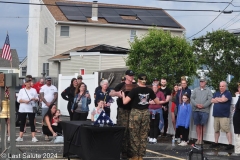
{"points": [[162, 150]]}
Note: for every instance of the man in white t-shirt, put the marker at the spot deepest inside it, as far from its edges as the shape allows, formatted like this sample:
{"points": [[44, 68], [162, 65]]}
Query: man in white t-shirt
{"points": [[48, 93]]}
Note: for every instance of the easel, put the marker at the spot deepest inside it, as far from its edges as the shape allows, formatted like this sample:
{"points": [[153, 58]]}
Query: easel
{"points": [[10, 80]]}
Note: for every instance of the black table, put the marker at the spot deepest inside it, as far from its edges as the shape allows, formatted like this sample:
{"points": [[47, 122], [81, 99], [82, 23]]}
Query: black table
{"points": [[90, 142]]}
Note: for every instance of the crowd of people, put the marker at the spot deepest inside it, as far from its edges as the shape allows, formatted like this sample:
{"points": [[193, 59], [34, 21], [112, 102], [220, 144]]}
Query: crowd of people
{"points": [[142, 110]]}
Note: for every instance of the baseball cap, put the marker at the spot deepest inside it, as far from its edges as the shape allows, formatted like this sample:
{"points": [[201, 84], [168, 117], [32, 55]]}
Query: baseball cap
{"points": [[129, 73], [155, 79], [79, 77], [123, 78], [27, 79], [48, 78], [142, 77], [203, 79]]}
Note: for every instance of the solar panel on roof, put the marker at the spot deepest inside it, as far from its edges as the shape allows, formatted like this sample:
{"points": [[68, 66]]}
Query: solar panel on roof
{"points": [[115, 20], [113, 15], [125, 12], [168, 22], [129, 21]]}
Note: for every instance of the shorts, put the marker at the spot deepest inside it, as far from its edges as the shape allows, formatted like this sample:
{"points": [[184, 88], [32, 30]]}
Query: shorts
{"points": [[173, 107], [222, 123], [44, 111], [200, 118]]}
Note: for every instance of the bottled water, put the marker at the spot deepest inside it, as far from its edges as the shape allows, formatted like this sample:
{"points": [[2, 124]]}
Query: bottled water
{"points": [[173, 141]]}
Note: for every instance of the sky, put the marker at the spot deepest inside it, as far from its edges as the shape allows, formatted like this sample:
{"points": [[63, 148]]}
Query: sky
{"points": [[14, 18]]}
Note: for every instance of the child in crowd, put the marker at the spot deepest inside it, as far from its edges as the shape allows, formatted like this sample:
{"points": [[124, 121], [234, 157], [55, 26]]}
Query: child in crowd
{"points": [[97, 110], [56, 118], [183, 119]]}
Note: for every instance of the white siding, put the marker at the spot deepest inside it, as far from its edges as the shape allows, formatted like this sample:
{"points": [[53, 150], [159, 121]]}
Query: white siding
{"points": [[90, 63], [46, 51], [117, 61]]}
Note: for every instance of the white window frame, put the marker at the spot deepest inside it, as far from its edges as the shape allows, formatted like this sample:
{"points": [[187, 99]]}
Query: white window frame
{"points": [[46, 69], [133, 34], [65, 31]]}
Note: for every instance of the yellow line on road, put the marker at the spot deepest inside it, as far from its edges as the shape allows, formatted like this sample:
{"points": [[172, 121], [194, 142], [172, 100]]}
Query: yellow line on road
{"points": [[164, 155]]}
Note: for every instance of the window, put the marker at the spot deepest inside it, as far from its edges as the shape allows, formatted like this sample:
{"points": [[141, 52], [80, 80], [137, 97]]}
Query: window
{"points": [[45, 69], [45, 35], [64, 31], [133, 35], [24, 71]]}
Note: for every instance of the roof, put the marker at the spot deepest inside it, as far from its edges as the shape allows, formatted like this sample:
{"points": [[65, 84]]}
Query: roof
{"points": [[102, 48], [15, 60], [72, 11]]}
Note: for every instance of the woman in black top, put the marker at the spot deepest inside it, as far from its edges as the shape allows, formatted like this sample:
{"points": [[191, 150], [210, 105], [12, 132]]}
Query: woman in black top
{"points": [[236, 116], [68, 95]]}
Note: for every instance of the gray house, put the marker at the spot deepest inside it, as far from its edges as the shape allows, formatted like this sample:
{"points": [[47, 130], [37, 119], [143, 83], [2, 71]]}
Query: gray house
{"points": [[5, 65]]}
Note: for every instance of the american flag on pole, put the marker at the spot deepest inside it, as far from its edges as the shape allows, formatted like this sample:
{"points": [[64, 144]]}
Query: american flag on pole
{"points": [[6, 51]]}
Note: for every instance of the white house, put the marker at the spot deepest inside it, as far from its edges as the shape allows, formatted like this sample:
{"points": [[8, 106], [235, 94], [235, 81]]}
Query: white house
{"points": [[61, 25]]}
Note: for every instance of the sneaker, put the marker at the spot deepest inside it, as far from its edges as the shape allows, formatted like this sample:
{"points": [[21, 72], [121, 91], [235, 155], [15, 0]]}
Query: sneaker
{"points": [[229, 147], [184, 143], [201, 142], [197, 142], [150, 140], [19, 139], [34, 139], [179, 140], [214, 145], [154, 140], [8, 139]]}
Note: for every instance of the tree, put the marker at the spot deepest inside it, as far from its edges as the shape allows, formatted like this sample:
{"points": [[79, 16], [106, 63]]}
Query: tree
{"points": [[160, 54], [219, 52]]}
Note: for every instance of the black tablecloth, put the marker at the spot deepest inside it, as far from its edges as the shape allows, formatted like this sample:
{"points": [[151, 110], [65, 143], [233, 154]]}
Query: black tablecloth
{"points": [[91, 142]]}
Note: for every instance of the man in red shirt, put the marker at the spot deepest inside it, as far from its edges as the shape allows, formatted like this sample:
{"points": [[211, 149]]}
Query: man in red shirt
{"points": [[38, 85]]}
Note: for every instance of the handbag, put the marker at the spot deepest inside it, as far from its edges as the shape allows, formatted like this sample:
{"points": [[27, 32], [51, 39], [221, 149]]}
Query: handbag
{"points": [[32, 103], [58, 139]]}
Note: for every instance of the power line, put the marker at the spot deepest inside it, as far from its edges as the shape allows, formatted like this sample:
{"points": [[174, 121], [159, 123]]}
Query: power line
{"points": [[89, 6], [232, 24], [188, 1], [210, 22], [193, 1], [230, 20]]}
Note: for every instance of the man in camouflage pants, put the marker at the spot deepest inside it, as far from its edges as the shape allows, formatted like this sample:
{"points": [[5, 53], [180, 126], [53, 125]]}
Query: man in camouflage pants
{"points": [[123, 112], [139, 116]]}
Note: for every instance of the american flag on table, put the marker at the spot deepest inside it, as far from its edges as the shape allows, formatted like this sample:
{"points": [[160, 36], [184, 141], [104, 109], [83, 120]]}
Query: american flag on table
{"points": [[6, 51], [103, 119]]}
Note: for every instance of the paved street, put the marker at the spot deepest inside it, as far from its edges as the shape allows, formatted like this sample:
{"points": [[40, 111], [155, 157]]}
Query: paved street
{"points": [[162, 150]]}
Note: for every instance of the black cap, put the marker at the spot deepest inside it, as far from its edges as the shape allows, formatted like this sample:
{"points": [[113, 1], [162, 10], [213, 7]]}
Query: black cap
{"points": [[48, 78], [129, 73], [123, 78], [79, 77], [27, 79], [155, 79], [142, 77]]}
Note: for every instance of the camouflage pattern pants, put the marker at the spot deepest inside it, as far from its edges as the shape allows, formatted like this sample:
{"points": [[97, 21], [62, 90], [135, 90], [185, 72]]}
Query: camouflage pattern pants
{"points": [[138, 127], [123, 120]]}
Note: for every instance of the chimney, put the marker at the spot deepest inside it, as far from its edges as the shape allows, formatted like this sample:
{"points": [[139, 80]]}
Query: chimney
{"points": [[95, 11]]}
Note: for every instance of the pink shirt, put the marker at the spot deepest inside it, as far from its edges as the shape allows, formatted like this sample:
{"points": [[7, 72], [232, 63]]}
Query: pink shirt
{"points": [[161, 97]]}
